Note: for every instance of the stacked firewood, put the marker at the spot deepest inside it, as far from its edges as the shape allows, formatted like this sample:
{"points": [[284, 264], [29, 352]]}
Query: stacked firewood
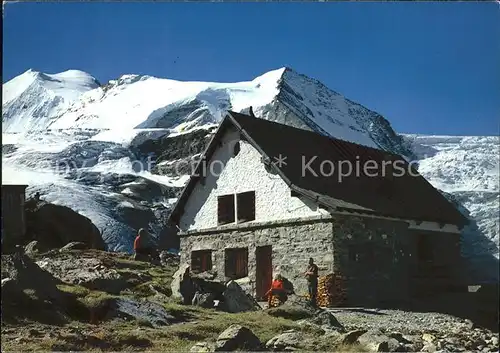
{"points": [[331, 290], [275, 301]]}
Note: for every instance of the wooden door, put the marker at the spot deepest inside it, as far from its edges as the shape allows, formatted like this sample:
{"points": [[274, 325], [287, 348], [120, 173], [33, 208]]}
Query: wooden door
{"points": [[264, 270]]}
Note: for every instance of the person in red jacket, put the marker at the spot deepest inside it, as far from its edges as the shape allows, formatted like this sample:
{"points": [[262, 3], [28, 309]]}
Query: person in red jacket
{"points": [[278, 289], [143, 248]]}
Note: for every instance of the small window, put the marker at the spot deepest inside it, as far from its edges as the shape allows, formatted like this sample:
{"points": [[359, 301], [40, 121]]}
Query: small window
{"points": [[201, 261], [294, 193], [424, 247], [225, 209], [236, 263], [246, 206]]}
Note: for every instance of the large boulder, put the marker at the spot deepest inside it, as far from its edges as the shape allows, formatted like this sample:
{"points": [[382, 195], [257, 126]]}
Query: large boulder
{"points": [[285, 342], [298, 301], [236, 300], [209, 286], [54, 226], [295, 308], [177, 279], [327, 320], [205, 300], [202, 347], [145, 312], [376, 341], [30, 292], [182, 285], [89, 272], [237, 337]]}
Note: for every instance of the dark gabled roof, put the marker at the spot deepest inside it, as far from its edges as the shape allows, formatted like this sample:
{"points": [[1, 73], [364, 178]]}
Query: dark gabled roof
{"points": [[20, 187], [400, 196]]}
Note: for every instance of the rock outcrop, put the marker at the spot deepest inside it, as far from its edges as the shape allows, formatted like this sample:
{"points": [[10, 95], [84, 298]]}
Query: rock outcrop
{"points": [[286, 341], [205, 300], [146, 313], [237, 337], [54, 226], [29, 291], [86, 271], [236, 300], [295, 308]]}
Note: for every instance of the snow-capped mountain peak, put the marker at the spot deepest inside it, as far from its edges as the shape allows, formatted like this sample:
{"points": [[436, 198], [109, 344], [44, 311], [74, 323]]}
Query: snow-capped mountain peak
{"points": [[32, 99], [136, 101]]}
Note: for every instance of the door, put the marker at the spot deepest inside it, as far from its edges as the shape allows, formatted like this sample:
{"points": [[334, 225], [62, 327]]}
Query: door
{"points": [[264, 270]]}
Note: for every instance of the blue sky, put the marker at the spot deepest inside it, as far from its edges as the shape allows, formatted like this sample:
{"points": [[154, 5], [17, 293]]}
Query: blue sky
{"points": [[430, 68]]}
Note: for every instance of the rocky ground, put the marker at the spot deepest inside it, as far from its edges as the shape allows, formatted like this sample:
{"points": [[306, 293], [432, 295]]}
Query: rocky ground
{"points": [[69, 299], [427, 331]]}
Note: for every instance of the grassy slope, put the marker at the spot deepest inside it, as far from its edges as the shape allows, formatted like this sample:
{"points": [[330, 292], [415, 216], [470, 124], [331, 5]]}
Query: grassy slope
{"points": [[198, 324]]}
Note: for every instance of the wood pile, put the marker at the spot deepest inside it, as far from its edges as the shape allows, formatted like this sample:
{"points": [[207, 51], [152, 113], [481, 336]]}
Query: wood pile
{"points": [[275, 301], [331, 290]]}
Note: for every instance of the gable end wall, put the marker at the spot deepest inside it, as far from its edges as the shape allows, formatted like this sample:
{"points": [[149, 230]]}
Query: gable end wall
{"points": [[241, 173]]}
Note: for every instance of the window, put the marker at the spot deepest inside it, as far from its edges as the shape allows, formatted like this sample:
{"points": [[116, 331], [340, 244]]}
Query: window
{"points": [[424, 247], [246, 206], [225, 209], [236, 263], [201, 261]]}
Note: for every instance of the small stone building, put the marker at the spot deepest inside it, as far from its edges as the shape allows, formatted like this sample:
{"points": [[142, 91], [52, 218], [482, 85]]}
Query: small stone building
{"points": [[13, 215], [265, 197]]}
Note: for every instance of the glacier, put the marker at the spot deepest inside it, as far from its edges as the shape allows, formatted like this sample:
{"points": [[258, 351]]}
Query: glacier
{"points": [[109, 151], [467, 170]]}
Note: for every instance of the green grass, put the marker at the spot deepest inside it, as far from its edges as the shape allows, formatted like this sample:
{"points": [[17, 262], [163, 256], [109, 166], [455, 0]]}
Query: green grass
{"points": [[196, 324], [199, 325], [96, 299], [77, 290]]}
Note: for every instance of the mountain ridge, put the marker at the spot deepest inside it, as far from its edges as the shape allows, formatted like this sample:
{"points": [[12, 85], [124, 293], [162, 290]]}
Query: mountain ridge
{"points": [[208, 102]]}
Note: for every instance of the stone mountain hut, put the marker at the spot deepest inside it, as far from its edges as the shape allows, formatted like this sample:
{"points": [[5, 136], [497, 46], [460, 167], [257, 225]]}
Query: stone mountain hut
{"points": [[256, 205]]}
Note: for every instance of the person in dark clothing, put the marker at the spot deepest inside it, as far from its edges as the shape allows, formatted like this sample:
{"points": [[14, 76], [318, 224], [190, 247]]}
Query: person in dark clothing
{"points": [[312, 280]]}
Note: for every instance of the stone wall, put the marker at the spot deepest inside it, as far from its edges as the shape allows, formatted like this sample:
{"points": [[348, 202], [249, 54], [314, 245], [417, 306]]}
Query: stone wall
{"points": [[444, 271], [375, 257], [378, 258], [293, 243]]}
